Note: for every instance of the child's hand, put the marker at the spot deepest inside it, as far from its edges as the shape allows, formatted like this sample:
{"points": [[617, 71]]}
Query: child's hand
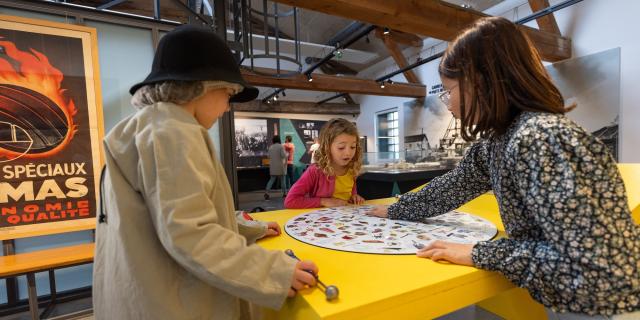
{"points": [[332, 202], [457, 253], [379, 211], [273, 229], [302, 278], [356, 199]]}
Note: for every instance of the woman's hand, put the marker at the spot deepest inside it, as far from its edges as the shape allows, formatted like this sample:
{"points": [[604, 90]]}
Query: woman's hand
{"points": [[273, 229], [332, 202], [379, 211], [458, 253], [302, 278], [356, 199]]}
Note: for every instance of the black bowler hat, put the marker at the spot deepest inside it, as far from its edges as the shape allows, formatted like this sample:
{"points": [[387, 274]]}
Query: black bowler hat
{"points": [[190, 53]]}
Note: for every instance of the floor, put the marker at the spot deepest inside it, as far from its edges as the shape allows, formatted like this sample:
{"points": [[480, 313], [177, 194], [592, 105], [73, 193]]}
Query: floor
{"points": [[60, 309], [250, 201]]}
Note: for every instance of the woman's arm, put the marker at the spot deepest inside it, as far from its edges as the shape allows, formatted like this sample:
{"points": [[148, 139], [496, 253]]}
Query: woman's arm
{"points": [[449, 191]]}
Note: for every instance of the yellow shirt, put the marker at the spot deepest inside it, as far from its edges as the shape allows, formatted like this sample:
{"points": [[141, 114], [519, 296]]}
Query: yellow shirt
{"points": [[344, 186]]}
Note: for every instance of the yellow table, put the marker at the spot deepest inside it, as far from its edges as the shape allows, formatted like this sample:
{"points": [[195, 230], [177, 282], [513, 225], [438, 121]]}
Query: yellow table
{"points": [[396, 286], [630, 173], [406, 287]]}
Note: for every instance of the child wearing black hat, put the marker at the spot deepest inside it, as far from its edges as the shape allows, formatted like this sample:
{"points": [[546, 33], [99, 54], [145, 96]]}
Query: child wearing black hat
{"points": [[168, 245]]}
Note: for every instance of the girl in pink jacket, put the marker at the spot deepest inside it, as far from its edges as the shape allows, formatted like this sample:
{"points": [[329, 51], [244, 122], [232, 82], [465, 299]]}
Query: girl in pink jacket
{"points": [[331, 181]]}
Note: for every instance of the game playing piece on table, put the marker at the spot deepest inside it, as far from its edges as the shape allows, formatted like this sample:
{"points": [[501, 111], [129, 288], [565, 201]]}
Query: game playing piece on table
{"points": [[350, 229]]}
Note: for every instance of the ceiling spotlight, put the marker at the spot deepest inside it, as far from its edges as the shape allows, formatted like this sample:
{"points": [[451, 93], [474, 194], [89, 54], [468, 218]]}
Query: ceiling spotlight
{"points": [[309, 78], [385, 31], [390, 81], [382, 85], [338, 53], [284, 94], [344, 98], [275, 98]]}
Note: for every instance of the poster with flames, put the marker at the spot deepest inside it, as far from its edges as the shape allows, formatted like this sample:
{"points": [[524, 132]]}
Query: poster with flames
{"points": [[50, 127]]}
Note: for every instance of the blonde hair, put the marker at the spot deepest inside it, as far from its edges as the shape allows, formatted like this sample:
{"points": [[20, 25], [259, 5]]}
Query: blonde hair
{"points": [[328, 133], [178, 92]]}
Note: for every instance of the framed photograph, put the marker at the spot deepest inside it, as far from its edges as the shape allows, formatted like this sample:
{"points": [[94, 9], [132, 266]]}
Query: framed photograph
{"points": [[51, 127]]}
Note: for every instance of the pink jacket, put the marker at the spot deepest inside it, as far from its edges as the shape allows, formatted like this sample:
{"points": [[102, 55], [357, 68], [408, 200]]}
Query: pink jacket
{"points": [[312, 186]]}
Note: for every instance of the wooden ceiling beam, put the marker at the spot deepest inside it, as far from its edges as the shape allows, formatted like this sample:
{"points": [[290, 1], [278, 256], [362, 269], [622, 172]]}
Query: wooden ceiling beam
{"points": [[434, 18], [322, 82], [297, 107], [397, 55], [400, 37], [332, 66], [547, 23]]}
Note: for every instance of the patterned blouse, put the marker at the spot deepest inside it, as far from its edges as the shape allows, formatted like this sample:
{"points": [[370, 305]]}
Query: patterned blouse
{"points": [[572, 242]]}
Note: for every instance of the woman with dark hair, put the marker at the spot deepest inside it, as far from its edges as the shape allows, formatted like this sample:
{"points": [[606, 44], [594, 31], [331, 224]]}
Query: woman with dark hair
{"points": [[572, 243], [169, 244]]}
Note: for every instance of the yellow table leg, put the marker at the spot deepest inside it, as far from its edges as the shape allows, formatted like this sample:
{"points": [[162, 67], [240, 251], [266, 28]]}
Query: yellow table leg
{"points": [[514, 304]]}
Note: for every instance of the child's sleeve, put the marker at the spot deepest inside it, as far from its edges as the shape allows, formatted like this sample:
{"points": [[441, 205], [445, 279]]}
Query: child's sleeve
{"points": [[186, 222], [298, 196], [449, 191], [251, 229]]}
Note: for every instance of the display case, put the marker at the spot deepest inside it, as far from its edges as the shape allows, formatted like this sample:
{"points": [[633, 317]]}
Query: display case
{"points": [[387, 174], [409, 161]]}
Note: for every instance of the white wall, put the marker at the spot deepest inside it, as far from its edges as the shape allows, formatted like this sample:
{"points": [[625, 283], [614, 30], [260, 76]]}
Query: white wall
{"points": [[371, 105], [593, 26]]}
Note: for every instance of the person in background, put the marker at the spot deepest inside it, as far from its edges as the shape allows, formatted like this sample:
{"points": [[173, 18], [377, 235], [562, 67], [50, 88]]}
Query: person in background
{"points": [[312, 150], [331, 181], [168, 242], [571, 240], [289, 148], [277, 167]]}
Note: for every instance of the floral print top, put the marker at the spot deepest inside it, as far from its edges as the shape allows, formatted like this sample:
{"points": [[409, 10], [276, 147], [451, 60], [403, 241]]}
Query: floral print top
{"points": [[572, 243]]}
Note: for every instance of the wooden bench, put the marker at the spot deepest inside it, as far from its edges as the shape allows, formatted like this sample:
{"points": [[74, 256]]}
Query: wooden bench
{"points": [[30, 263]]}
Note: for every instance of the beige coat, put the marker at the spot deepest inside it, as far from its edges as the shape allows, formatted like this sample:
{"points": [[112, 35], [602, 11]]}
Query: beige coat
{"points": [[171, 247]]}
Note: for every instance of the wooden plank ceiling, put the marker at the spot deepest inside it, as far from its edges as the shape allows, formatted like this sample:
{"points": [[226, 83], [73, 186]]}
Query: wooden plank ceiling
{"points": [[406, 18], [434, 18]]}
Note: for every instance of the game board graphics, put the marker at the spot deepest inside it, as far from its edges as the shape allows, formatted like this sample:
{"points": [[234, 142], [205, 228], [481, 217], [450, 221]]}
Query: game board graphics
{"points": [[348, 228]]}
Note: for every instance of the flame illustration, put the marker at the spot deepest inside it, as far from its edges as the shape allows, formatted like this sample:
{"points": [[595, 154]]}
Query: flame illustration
{"points": [[34, 72]]}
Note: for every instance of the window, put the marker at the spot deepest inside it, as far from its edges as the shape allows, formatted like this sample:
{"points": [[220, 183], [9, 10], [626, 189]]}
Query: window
{"points": [[388, 132]]}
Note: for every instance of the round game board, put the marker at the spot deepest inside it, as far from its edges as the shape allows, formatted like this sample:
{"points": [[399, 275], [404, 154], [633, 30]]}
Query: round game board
{"points": [[350, 229]]}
